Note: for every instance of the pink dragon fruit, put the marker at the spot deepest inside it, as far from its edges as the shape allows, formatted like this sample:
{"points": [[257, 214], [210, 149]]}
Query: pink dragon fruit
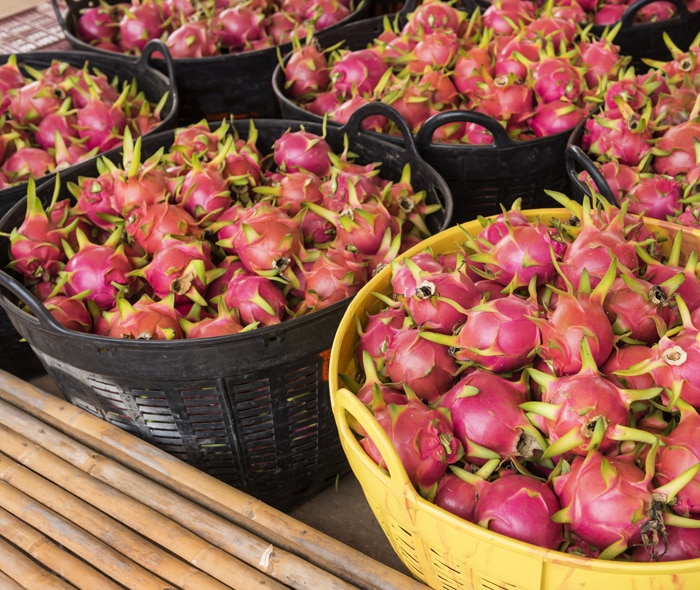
{"points": [[520, 507], [426, 367], [583, 410], [423, 439], [224, 323], [257, 299], [611, 504], [182, 267], [192, 39], [145, 319], [679, 452], [238, 25], [499, 334], [436, 300], [578, 315], [377, 332], [71, 312], [149, 224], [456, 496], [524, 252], [487, 419], [357, 72], [640, 311], [301, 151], [102, 270], [676, 150], [333, 275], [306, 72], [268, 243]]}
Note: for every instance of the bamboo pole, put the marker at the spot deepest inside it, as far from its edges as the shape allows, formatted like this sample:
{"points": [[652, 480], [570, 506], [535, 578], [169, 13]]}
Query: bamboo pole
{"points": [[51, 555], [70, 534], [26, 572], [264, 521], [7, 583], [149, 523], [285, 567]]}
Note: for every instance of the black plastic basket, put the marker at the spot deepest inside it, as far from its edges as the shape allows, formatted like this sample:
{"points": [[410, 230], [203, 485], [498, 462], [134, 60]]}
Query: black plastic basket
{"points": [[646, 40], [16, 356], [481, 177], [212, 87], [252, 409]]}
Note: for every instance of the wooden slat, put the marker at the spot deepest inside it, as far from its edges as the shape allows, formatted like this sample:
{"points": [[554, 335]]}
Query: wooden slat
{"points": [[253, 515], [283, 566]]}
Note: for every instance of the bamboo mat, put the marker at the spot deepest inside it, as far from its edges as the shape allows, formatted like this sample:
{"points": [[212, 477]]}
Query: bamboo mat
{"points": [[84, 504]]}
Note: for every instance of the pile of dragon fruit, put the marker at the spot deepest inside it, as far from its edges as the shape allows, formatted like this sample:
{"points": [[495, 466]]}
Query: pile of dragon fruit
{"points": [[205, 28], [644, 138], [212, 237], [58, 116], [541, 380], [531, 69], [609, 12]]}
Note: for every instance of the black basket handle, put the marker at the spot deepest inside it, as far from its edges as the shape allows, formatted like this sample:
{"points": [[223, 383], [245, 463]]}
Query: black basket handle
{"points": [[627, 18], [354, 125], [576, 156], [42, 316], [424, 137], [143, 63]]}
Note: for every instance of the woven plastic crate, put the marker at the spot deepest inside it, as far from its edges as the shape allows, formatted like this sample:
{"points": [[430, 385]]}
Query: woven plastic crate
{"points": [[481, 177], [439, 548], [17, 356], [251, 409], [212, 87]]}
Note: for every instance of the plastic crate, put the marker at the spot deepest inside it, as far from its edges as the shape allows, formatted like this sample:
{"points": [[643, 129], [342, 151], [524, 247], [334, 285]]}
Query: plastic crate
{"points": [[212, 87], [481, 177], [439, 548], [17, 357], [251, 409]]}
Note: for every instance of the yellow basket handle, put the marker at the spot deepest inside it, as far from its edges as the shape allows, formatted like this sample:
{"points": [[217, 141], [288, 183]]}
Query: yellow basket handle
{"points": [[347, 404]]}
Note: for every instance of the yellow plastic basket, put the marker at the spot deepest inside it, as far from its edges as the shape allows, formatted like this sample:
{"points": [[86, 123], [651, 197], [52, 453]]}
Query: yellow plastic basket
{"points": [[440, 549]]}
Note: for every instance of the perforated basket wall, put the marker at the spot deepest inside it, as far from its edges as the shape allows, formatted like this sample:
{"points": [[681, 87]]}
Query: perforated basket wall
{"points": [[480, 177], [251, 409], [439, 548], [218, 86]]}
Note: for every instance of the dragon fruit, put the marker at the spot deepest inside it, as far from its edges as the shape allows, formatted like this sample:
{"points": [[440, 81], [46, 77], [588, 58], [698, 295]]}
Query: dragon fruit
{"points": [[426, 367], [583, 410], [487, 419], [146, 319], [423, 438], [103, 270], [521, 507]]}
